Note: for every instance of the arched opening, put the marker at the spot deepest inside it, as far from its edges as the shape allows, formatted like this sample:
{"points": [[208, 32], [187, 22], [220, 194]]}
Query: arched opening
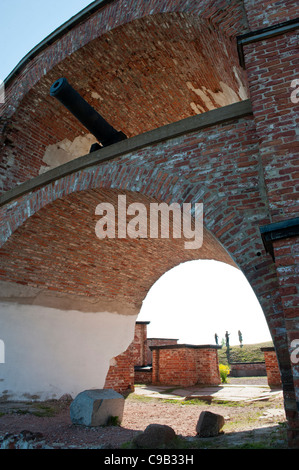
{"points": [[198, 299]]}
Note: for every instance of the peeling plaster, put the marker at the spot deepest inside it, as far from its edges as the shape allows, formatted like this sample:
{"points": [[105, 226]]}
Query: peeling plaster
{"points": [[212, 100], [242, 89], [65, 151]]}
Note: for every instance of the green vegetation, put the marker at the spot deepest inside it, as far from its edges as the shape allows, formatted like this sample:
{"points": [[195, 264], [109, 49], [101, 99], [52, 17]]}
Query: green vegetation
{"points": [[248, 353], [224, 371], [113, 421]]}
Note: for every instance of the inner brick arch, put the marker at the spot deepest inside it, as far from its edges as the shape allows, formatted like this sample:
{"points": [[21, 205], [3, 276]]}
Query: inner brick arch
{"points": [[56, 251], [143, 74], [54, 257], [40, 210]]}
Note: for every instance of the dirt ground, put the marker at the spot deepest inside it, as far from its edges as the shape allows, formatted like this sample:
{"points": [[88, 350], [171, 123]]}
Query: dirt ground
{"points": [[259, 424]]}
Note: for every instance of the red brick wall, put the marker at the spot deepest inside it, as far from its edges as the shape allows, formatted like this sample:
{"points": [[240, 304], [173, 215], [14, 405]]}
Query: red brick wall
{"points": [[138, 70], [208, 366], [247, 369], [143, 376], [270, 76], [120, 376], [185, 365], [140, 345], [157, 342], [264, 13], [272, 368]]}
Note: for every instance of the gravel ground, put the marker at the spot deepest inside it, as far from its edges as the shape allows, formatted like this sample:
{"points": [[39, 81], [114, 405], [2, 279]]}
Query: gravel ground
{"points": [[252, 424]]}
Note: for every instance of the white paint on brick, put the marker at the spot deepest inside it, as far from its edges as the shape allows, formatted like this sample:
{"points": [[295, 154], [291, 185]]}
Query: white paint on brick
{"points": [[49, 352]]}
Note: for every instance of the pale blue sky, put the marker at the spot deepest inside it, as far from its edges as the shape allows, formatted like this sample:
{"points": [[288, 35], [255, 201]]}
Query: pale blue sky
{"points": [[25, 23], [194, 301]]}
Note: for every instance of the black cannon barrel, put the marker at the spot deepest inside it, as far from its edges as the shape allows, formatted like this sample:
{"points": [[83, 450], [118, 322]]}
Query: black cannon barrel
{"points": [[91, 119]]}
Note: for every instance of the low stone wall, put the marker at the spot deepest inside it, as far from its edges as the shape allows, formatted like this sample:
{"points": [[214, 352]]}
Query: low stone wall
{"points": [[185, 365], [247, 369]]}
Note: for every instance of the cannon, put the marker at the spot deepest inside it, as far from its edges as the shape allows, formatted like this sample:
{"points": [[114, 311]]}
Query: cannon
{"points": [[91, 119]]}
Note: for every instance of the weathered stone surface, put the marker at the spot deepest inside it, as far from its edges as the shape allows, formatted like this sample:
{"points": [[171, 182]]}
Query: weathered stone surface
{"points": [[154, 436], [209, 424], [96, 407]]}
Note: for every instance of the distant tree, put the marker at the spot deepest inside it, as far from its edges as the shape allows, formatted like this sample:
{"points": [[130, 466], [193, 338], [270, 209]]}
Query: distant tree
{"points": [[240, 338]]}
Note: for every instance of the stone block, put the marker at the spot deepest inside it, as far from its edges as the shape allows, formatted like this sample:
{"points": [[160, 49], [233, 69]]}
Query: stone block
{"points": [[209, 424], [154, 436], [96, 407]]}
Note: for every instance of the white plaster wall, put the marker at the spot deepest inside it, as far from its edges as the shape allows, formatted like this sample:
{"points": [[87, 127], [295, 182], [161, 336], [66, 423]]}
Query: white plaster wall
{"points": [[50, 352]]}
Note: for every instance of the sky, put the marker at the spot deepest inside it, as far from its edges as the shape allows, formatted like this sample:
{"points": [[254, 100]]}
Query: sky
{"points": [[197, 299], [192, 302], [25, 23]]}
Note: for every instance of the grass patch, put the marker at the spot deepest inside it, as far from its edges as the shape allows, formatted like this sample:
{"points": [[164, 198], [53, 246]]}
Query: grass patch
{"points": [[44, 411], [248, 353]]}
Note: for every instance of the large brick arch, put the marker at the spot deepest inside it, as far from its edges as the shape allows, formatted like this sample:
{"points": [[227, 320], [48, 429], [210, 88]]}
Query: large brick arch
{"points": [[57, 250], [68, 206], [153, 66]]}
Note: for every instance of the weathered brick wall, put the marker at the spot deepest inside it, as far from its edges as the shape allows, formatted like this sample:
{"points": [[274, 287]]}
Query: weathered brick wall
{"points": [[157, 342], [120, 376], [272, 65], [270, 76], [272, 368], [185, 365], [247, 369], [265, 13], [146, 59], [143, 376], [207, 366], [140, 345]]}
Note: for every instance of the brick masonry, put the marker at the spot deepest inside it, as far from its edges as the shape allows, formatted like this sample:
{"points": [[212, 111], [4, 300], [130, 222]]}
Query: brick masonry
{"points": [[273, 373], [247, 369], [185, 365], [245, 171]]}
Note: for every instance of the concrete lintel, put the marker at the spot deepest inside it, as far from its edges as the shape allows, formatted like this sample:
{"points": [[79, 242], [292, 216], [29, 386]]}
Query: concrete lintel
{"points": [[170, 131]]}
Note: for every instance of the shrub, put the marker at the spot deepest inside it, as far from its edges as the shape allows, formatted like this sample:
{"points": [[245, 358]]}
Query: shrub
{"points": [[224, 371]]}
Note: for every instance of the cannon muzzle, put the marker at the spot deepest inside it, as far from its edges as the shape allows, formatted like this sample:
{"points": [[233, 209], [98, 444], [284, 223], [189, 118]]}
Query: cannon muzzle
{"points": [[85, 113]]}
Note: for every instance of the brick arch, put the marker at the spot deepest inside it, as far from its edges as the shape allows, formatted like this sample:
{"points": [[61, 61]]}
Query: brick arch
{"points": [[142, 71], [144, 183], [31, 220], [64, 224]]}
